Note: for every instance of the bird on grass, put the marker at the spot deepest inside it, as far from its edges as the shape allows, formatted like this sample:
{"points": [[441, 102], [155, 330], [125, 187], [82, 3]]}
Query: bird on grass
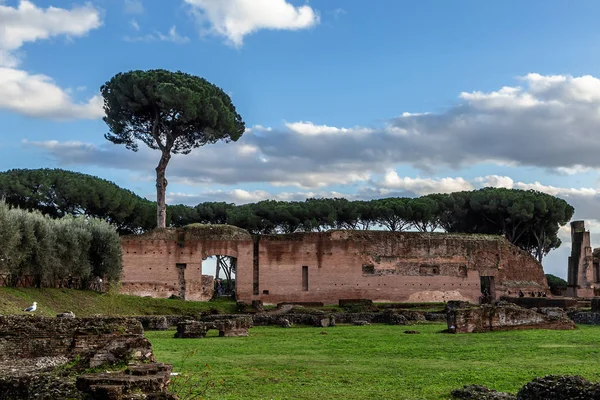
{"points": [[31, 308]]}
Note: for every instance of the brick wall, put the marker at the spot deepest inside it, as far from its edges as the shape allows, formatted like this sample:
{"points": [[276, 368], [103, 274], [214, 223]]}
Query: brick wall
{"points": [[324, 267]]}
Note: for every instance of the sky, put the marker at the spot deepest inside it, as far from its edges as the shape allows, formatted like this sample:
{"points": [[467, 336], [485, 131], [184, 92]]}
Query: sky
{"points": [[341, 98]]}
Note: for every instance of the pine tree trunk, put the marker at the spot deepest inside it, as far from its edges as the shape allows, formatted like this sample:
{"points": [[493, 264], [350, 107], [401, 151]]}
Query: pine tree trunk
{"points": [[161, 190]]}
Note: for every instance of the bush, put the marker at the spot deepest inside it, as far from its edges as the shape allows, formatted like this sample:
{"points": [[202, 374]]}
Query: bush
{"points": [[49, 250], [556, 284]]}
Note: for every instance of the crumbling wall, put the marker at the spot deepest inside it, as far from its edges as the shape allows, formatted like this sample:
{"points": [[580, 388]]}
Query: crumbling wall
{"points": [[40, 358], [168, 262], [506, 317], [233, 326], [93, 340], [328, 266], [389, 266]]}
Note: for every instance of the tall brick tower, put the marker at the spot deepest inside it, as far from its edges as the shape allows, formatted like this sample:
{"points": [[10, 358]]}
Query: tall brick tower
{"points": [[581, 271]]}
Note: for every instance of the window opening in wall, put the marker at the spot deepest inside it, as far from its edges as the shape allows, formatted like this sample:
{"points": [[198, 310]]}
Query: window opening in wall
{"points": [[488, 289], [368, 269], [305, 278], [222, 269], [265, 292]]}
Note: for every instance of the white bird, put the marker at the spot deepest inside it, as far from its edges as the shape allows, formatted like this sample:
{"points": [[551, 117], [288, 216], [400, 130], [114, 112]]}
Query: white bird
{"points": [[31, 308]]}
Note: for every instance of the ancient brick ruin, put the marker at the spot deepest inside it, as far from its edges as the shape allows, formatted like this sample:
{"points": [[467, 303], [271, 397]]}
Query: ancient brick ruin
{"points": [[485, 318], [227, 327], [42, 358], [328, 266], [94, 341], [583, 275]]}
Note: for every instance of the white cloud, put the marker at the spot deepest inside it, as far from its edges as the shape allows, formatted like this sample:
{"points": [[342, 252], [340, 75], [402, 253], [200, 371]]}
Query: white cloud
{"points": [[505, 98], [557, 133], [310, 129], [422, 186], [550, 122], [135, 25], [28, 23], [574, 170], [585, 89], [235, 19], [171, 36], [133, 7], [496, 181], [557, 191], [338, 12], [38, 96], [240, 196]]}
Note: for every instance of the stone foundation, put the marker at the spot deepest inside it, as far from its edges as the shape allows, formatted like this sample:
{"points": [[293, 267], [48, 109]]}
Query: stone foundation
{"points": [[94, 341], [541, 302], [586, 318], [226, 327], [145, 378], [40, 358], [506, 317]]}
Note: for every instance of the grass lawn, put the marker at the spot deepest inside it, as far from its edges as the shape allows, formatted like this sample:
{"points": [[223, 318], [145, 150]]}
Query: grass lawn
{"points": [[85, 303], [376, 361]]}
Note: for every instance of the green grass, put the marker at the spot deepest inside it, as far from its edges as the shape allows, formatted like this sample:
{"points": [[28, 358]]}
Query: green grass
{"points": [[84, 303], [349, 362], [377, 361]]}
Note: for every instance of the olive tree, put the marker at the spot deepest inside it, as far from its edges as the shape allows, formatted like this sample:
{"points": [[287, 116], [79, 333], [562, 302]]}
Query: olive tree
{"points": [[173, 112]]}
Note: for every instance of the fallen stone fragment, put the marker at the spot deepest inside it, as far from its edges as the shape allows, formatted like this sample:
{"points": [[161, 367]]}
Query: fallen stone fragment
{"points": [[477, 392]]}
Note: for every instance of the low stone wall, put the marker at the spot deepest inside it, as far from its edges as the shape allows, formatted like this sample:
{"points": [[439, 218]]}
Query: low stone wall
{"points": [[506, 317], [391, 316], [226, 327], [541, 302], [95, 340], [144, 378], [586, 318], [33, 347]]}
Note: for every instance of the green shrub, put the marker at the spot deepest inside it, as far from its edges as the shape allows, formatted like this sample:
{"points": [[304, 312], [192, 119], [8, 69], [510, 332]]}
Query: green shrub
{"points": [[555, 282], [48, 250]]}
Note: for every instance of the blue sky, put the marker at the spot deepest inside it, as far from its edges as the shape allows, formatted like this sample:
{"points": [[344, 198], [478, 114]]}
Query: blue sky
{"points": [[341, 97]]}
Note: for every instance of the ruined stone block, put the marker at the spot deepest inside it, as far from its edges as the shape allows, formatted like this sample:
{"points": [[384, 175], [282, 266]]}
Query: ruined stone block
{"points": [[586, 318], [477, 392], [156, 378], [154, 322], [285, 323], [105, 392], [555, 387], [94, 340], [506, 317], [226, 327], [596, 304], [31, 347]]}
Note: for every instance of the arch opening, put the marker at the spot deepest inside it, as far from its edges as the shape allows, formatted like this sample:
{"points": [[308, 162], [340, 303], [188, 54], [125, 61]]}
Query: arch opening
{"points": [[223, 270]]}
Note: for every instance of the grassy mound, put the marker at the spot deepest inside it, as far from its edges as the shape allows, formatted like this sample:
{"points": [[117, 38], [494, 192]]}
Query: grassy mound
{"points": [[84, 303]]}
